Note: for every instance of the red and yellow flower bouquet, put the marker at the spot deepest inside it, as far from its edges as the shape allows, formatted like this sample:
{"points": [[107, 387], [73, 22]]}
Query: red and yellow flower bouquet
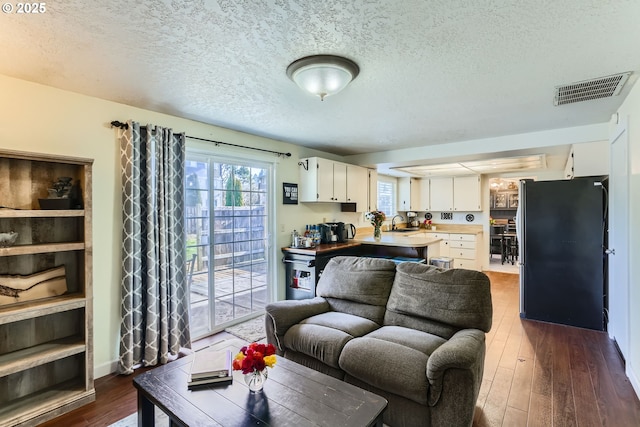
{"points": [[255, 357]]}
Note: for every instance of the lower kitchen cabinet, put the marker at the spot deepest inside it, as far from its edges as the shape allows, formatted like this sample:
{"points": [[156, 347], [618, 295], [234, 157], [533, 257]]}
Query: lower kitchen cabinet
{"points": [[463, 250]]}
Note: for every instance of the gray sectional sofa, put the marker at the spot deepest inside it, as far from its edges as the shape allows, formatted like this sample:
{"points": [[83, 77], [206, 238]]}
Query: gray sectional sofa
{"points": [[412, 333]]}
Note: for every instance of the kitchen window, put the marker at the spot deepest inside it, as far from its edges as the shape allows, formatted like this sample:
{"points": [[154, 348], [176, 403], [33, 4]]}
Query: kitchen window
{"points": [[387, 195]]}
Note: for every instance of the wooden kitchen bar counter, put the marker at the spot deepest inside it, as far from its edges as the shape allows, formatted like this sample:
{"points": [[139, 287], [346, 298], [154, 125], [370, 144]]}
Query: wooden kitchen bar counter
{"points": [[398, 245], [322, 249]]}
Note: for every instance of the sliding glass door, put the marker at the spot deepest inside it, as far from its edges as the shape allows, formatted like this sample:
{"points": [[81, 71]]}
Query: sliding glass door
{"points": [[227, 217]]}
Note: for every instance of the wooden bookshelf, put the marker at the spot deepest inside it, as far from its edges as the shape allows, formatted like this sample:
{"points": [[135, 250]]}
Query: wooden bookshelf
{"points": [[46, 360]]}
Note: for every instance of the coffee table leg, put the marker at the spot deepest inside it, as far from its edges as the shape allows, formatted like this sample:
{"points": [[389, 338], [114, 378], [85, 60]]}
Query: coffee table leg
{"points": [[146, 416]]}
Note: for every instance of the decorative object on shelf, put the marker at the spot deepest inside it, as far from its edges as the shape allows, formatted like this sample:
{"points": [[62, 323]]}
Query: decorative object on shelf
{"points": [[8, 239], [61, 188], [60, 196], [469, 217], [323, 75], [376, 218], [253, 360], [43, 284]]}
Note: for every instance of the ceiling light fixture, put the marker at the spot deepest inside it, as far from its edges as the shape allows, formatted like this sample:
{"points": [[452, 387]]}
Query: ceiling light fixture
{"points": [[323, 75]]}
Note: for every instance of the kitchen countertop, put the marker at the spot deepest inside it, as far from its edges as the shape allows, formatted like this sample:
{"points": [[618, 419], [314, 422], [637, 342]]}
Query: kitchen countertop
{"points": [[452, 229], [323, 248], [403, 240], [457, 229]]}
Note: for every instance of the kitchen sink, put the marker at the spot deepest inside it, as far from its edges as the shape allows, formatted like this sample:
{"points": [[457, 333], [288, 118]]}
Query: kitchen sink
{"points": [[405, 230]]}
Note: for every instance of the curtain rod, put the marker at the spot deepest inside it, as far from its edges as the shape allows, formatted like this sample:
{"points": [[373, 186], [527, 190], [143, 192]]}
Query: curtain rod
{"points": [[121, 125]]}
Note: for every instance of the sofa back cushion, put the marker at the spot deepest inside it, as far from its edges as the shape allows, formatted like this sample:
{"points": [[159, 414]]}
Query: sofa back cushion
{"points": [[439, 301], [357, 285]]}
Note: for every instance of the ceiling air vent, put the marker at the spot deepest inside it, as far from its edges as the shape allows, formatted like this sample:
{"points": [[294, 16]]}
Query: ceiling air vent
{"points": [[603, 87]]}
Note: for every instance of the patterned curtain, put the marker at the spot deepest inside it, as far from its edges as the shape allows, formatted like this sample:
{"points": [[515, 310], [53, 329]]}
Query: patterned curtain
{"points": [[155, 297]]}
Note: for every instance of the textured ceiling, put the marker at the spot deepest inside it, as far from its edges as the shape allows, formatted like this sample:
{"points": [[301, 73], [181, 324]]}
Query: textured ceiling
{"points": [[431, 71]]}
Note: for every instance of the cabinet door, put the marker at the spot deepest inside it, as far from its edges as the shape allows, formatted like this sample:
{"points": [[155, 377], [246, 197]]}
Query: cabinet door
{"points": [[415, 203], [441, 194], [324, 175], [339, 182], [404, 194], [425, 197], [373, 190], [308, 176], [466, 193], [357, 187], [444, 243], [590, 158]]}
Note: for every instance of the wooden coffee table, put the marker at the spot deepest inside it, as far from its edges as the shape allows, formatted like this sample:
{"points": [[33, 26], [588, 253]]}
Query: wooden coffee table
{"points": [[293, 395]]}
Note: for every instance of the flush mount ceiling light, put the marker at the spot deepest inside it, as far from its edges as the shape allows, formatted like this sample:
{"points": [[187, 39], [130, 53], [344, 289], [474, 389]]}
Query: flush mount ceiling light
{"points": [[506, 164], [323, 75]]}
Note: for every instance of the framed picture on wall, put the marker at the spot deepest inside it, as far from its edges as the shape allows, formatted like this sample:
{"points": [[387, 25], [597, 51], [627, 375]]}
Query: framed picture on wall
{"points": [[289, 193], [500, 200]]}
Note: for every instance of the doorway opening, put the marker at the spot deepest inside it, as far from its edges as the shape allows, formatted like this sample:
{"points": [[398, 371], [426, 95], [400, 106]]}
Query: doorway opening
{"points": [[503, 243]]}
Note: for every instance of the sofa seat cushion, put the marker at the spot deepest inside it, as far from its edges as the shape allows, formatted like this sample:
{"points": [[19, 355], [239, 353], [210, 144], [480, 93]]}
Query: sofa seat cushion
{"points": [[323, 336], [392, 358]]}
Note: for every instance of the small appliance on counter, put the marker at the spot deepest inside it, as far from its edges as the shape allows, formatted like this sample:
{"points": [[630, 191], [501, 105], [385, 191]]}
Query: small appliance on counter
{"points": [[351, 231], [412, 220], [333, 232]]}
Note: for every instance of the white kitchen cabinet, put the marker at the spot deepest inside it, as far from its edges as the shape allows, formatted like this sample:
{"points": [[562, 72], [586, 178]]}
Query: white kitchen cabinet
{"points": [[459, 193], [444, 243], [408, 194], [587, 159], [322, 180], [441, 193], [463, 250], [466, 193], [425, 195], [357, 186], [373, 190]]}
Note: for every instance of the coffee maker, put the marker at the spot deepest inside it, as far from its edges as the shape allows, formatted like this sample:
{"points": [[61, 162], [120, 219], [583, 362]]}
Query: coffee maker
{"points": [[412, 220], [333, 232]]}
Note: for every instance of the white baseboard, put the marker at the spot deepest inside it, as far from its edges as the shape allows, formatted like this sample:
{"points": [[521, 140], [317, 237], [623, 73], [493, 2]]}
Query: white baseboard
{"points": [[633, 379], [105, 369]]}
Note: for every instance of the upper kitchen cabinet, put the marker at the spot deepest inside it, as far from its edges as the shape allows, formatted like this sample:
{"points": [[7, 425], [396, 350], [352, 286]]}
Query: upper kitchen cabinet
{"points": [[425, 195], [373, 190], [466, 193], [460, 193], [441, 193], [588, 159], [323, 180], [358, 187], [409, 194]]}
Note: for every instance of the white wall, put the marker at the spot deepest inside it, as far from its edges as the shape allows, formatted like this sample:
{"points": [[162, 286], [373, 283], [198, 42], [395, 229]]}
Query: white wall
{"points": [[631, 109], [42, 119]]}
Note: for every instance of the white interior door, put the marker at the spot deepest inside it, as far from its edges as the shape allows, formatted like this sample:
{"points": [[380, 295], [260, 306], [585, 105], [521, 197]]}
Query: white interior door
{"points": [[618, 325]]}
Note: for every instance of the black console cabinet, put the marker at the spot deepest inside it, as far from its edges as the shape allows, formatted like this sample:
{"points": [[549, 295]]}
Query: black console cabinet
{"points": [[304, 267]]}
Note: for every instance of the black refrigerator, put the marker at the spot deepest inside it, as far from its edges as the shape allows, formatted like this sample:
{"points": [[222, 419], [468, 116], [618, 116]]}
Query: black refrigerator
{"points": [[562, 237]]}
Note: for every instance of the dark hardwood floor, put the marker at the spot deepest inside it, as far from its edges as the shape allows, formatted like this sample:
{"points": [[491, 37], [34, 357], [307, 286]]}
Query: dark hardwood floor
{"points": [[536, 374]]}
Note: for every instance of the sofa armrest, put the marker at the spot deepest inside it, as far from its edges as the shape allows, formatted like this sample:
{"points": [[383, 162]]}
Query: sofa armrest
{"points": [[282, 315], [465, 350]]}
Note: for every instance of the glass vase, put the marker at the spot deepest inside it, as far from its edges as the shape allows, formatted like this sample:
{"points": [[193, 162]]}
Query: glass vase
{"points": [[255, 380], [377, 233]]}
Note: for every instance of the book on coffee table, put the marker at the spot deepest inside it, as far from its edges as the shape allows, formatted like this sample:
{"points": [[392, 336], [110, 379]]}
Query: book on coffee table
{"points": [[209, 381], [210, 366]]}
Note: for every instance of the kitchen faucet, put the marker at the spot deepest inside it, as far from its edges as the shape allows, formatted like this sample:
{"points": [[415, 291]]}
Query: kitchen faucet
{"points": [[393, 221]]}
